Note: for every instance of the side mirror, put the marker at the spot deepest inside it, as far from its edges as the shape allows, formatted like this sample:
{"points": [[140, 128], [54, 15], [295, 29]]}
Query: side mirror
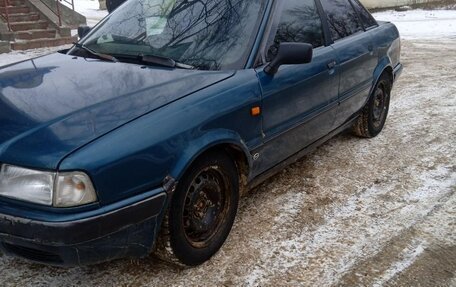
{"points": [[83, 31], [289, 54]]}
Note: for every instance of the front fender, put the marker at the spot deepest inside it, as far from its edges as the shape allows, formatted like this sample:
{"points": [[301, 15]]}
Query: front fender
{"points": [[161, 145], [202, 144]]}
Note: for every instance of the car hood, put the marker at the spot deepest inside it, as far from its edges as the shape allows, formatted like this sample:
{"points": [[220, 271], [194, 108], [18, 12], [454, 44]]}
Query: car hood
{"points": [[52, 105]]}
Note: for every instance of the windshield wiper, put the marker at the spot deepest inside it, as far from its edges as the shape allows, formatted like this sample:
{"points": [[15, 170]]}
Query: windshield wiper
{"points": [[99, 55], [163, 61]]}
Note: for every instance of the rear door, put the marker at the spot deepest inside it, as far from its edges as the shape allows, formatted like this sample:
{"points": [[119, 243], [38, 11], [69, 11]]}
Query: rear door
{"points": [[300, 101], [355, 53]]}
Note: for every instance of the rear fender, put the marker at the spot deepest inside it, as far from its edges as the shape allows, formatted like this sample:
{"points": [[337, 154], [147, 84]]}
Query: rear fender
{"points": [[383, 65]]}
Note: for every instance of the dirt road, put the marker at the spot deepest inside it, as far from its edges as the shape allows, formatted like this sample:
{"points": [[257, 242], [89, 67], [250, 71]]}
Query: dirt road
{"points": [[356, 212]]}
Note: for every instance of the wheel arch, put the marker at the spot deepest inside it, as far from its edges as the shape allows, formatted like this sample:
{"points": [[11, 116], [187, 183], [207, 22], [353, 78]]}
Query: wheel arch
{"points": [[384, 67], [223, 141]]}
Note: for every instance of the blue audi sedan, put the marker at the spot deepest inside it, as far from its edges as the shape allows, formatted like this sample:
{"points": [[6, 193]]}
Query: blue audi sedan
{"points": [[144, 135]]}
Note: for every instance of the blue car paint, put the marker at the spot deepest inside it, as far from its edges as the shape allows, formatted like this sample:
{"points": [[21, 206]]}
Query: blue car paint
{"points": [[159, 144], [131, 127], [388, 45], [357, 60], [299, 106], [56, 114], [51, 216]]}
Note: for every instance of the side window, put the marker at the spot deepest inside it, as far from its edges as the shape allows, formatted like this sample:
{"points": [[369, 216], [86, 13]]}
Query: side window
{"points": [[342, 19], [300, 23], [366, 17]]}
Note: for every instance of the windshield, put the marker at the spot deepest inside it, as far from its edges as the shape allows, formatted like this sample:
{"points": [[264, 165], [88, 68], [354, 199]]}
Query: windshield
{"points": [[206, 34]]}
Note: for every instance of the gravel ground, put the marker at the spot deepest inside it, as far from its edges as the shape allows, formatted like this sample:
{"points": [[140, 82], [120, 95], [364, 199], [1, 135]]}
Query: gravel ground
{"points": [[356, 212]]}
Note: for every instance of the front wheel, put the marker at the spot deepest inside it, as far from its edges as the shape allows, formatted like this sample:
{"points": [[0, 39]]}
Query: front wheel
{"points": [[202, 211], [373, 117]]}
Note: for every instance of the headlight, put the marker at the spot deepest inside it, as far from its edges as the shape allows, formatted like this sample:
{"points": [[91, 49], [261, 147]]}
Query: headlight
{"points": [[47, 188], [25, 184]]}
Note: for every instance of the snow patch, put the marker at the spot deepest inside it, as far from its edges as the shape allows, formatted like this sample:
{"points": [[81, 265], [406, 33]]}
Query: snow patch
{"points": [[17, 56], [355, 230], [90, 9], [422, 24], [408, 256]]}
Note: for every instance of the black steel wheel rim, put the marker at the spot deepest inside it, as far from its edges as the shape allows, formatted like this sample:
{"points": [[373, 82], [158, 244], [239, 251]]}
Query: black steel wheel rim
{"points": [[206, 207], [380, 107]]}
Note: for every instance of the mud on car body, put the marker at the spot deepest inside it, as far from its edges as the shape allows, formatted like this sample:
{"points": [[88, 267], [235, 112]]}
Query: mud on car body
{"points": [[142, 136]]}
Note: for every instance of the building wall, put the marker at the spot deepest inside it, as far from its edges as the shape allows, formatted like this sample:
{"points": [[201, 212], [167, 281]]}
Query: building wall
{"points": [[393, 3]]}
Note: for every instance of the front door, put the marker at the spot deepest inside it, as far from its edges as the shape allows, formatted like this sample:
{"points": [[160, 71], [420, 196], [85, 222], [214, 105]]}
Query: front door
{"points": [[300, 101]]}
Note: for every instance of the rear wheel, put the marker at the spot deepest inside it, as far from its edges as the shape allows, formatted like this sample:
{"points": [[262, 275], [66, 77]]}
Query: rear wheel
{"points": [[202, 211], [373, 117]]}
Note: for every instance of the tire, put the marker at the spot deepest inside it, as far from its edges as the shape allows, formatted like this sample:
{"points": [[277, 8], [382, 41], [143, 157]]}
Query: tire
{"points": [[201, 213], [374, 114]]}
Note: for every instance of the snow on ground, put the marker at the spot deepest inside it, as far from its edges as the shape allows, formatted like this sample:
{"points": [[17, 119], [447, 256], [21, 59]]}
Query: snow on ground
{"points": [[422, 24], [356, 212], [17, 56], [90, 9]]}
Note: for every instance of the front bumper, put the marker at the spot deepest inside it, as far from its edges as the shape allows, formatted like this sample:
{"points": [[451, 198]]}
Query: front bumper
{"points": [[128, 231], [398, 71]]}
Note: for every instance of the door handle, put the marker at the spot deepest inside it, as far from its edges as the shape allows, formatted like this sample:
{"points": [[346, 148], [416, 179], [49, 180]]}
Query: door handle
{"points": [[332, 65]]}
